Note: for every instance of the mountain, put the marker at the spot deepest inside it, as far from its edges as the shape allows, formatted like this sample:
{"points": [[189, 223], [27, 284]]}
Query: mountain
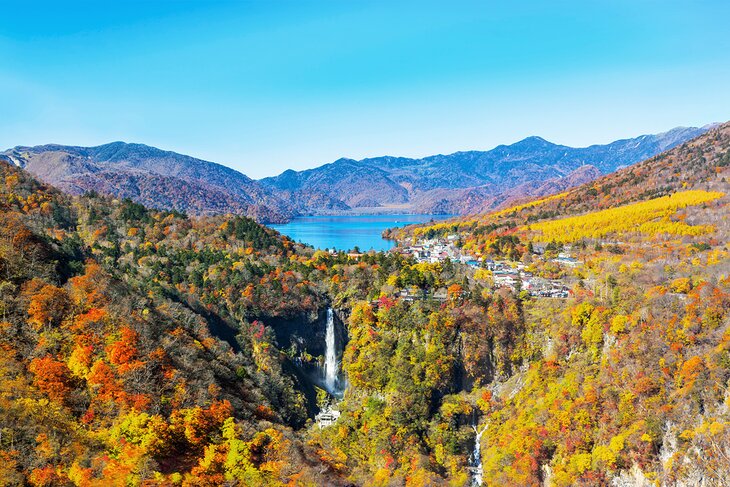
{"points": [[482, 199], [591, 346], [153, 177], [459, 183], [466, 182], [699, 163]]}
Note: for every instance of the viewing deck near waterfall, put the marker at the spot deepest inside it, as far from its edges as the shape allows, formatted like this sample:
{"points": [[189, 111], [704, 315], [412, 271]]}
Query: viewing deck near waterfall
{"points": [[327, 417]]}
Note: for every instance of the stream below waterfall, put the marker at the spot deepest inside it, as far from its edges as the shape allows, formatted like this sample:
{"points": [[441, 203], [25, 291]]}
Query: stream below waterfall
{"points": [[475, 459]]}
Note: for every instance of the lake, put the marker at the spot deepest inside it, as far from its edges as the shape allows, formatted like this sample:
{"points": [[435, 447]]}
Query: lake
{"points": [[344, 232]]}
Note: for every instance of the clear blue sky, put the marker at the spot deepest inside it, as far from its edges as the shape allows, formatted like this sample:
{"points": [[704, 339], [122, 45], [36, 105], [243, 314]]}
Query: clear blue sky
{"points": [[263, 86]]}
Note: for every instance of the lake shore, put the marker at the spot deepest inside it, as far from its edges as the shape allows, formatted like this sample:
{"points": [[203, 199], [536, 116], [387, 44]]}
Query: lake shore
{"points": [[346, 232]]}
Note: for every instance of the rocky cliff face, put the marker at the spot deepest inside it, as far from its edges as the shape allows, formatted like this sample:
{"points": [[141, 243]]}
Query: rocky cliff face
{"points": [[305, 333], [304, 337]]}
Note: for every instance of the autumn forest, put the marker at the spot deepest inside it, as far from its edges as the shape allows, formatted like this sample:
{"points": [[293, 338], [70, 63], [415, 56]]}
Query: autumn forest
{"points": [[149, 347]]}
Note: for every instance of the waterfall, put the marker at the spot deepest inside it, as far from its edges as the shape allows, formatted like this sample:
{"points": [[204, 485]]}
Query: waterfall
{"points": [[477, 469], [331, 366]]}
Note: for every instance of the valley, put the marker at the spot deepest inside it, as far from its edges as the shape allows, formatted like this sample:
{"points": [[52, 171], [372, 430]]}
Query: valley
{"points": [[577, 338], [364, 244]]}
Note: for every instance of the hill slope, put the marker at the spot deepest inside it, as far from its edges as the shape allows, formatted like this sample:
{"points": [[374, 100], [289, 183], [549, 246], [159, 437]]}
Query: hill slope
{"points": [[153, 177], [625, 380], [112, 375]]}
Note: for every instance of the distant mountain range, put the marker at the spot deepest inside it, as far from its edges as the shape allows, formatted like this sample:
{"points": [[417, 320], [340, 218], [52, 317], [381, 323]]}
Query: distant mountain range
{"points": [[459, 183], [468, 182], [156, 178]]}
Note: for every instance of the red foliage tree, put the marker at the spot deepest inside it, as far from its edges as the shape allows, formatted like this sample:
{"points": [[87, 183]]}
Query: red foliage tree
{"points": [[52, 377]]}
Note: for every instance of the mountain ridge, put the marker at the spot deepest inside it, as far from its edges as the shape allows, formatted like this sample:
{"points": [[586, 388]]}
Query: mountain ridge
{"points": [[462, 182], [448, 182], [132, 170]]}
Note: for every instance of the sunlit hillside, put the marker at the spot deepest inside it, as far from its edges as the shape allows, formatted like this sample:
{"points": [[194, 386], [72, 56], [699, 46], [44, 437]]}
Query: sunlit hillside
{"points": [[580, 339]]}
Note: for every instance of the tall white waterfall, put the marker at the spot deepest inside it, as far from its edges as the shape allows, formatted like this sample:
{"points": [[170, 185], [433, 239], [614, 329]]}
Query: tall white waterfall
{"points": [[331, 366], [477, 469]]}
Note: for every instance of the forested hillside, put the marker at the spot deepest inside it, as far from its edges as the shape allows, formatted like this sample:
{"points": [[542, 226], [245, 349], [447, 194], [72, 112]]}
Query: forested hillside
{"points": [[152, 348], [625, 382], [137, 347], [109, 375]]}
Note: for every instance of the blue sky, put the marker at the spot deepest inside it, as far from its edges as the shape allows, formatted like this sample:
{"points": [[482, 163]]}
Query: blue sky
{"points": [[264, 86]]}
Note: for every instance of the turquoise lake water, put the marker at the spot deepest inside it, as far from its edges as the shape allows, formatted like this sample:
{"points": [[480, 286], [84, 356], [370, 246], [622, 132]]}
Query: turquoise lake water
{"points": [[346, 232]]}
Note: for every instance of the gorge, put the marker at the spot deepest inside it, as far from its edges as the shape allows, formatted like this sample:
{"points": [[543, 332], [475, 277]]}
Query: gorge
{"points": [[364, 243]]}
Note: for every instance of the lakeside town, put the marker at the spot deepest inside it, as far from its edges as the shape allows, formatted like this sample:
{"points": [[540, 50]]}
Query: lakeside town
{"points": [[505, 274]]}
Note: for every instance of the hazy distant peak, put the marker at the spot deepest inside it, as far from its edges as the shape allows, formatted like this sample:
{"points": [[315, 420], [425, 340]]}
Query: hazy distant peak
{"points": [[345, 160], [533, 140], [711, 126], [531, 143]]}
